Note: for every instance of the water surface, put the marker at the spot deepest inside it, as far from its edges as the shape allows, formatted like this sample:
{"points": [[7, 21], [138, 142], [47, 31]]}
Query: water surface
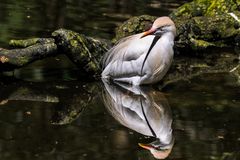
{"points": [[71, 120], [24, 19]]}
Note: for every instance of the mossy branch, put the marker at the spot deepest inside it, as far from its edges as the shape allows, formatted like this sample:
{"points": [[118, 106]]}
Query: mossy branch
{"points": [[29, 42], [15, 58]]}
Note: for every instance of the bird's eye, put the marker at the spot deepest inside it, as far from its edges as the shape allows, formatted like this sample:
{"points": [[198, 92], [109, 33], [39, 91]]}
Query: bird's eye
{"points": [[159, 30]]}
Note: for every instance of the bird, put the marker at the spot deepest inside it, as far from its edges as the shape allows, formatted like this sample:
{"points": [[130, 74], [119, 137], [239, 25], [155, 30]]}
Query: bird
{"points": [[144, 110], [142, 58]]}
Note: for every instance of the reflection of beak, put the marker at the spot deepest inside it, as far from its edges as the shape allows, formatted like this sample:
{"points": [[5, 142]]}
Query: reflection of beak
{"points": [[150, 31], [145, 146], [158, 154]]}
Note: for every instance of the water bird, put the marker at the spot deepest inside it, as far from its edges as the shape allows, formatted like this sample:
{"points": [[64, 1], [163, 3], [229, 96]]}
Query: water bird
{"points": [[143, 110], [142, 58]]}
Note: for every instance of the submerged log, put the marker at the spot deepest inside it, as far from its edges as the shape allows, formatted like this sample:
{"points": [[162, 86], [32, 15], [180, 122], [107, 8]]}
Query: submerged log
{"points": [[85, 52], [15, 58], [29, 42]]}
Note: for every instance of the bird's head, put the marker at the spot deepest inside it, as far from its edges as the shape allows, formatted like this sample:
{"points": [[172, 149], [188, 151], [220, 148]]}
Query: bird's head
{"points": [[158, 149], [160, 26]]}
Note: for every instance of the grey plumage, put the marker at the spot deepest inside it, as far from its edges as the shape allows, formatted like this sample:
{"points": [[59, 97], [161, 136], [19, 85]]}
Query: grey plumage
{"points": [[142, 58]]}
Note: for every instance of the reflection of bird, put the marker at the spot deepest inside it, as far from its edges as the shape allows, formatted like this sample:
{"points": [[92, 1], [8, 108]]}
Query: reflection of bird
{"points": [[145, 111], [142, 58]]}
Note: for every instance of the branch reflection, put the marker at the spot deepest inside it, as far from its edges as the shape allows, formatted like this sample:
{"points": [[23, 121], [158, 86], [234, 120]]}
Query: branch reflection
{"points": [[143, 110]]}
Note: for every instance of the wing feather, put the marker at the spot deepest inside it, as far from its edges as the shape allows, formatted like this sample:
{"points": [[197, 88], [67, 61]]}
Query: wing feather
{"points": [[121, 50]]}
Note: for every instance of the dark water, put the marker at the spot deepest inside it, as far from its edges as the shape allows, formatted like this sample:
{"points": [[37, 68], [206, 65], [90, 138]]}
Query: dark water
{"points": [[74, 120], [24, 19], [50, 113]]}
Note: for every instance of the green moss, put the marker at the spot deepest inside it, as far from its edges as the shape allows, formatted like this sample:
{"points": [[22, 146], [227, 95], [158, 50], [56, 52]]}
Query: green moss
{"points": [[23, 43], [74, 43], [206, 23], [68, 118], [218, 31], [206, 8], [29, 42], [238, 3], [84, 51], [23, 60], [191, 9], [200, 44], [91, 66], [133, 26], [219, 7]]}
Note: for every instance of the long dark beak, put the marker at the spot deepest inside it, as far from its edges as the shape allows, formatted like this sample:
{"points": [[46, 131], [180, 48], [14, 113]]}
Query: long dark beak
{"points": [[150, 31]]}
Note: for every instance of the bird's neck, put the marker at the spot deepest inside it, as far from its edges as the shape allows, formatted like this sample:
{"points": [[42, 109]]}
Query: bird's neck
{"points": [[169, 35], [168, 39]]}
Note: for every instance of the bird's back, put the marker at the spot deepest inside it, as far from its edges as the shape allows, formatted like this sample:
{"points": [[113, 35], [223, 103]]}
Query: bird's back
{"points": [[126, 49]]}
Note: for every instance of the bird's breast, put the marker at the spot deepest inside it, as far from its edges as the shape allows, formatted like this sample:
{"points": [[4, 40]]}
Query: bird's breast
{"points": [[159, 59], [161, 53]]}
